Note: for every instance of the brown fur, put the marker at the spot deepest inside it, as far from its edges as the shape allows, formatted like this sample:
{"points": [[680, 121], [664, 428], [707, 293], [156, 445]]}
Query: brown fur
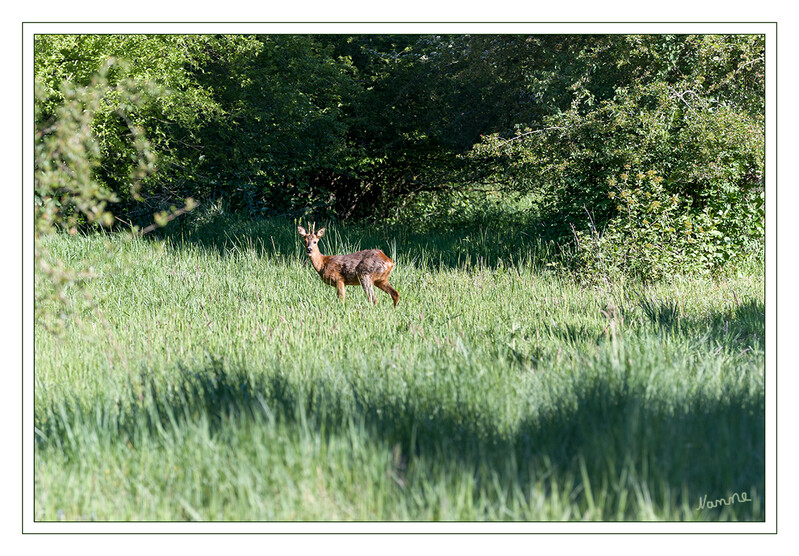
{"points": [[368, 268]]}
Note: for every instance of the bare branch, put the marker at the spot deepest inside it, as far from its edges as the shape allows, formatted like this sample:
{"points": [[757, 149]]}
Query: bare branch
{"points": [[532, 132]]}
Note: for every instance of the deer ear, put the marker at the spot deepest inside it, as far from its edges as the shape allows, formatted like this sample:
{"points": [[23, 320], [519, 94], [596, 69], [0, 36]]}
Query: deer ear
{"points": [[320, 233], [302, 231]]}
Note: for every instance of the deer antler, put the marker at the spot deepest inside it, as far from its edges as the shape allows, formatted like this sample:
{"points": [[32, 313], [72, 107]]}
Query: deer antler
{"points": [[313, 228]]}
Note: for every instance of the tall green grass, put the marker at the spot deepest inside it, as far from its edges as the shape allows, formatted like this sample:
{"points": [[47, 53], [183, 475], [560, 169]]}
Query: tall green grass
{"points": [[213, 376]]}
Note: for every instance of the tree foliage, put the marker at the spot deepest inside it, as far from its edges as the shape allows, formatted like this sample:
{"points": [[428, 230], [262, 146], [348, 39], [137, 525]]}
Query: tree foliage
{"points": [[364, 126], [68, 155]]}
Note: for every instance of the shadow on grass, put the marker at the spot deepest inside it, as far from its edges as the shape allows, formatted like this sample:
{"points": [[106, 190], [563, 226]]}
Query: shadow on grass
{"points": [[608, 432], [738, 328]]}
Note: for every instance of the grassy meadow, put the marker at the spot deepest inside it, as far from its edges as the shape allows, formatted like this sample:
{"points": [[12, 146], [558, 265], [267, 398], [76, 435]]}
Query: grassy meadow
{"points": [[212, 376]]}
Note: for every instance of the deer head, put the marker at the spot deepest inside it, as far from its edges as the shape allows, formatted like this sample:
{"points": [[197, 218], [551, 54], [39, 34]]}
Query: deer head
{"points": [[311, 239]]}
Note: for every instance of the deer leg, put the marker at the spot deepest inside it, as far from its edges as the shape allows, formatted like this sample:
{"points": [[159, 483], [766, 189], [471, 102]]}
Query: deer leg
{"points": [[340, 290], [386, 287], [366, 282]]}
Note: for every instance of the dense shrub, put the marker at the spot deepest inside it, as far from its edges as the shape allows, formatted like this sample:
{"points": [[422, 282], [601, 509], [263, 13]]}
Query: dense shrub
{"points": [[654, 235], [662, 107]]}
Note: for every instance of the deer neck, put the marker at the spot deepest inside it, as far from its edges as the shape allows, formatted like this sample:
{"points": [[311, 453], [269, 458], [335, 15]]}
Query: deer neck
{"points": [[318, 260]]}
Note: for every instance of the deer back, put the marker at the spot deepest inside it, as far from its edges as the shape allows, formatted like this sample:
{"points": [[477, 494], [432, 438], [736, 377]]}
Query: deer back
{"points": [[354, 267]]}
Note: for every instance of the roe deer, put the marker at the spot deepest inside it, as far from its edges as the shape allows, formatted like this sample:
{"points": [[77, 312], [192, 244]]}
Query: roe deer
{"points": [[367, 268]]}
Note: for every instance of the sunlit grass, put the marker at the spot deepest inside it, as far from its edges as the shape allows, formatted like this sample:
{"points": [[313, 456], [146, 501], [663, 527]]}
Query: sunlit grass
{"points": [[213, 376]]}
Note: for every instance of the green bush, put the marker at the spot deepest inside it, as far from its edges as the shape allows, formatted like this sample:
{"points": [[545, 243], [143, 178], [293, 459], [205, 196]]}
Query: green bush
{"points": [[689, 109], [657, 233]]}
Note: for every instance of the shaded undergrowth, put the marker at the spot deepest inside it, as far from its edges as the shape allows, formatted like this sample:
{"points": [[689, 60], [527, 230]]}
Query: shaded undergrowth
{"points": [[480, 241]]}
